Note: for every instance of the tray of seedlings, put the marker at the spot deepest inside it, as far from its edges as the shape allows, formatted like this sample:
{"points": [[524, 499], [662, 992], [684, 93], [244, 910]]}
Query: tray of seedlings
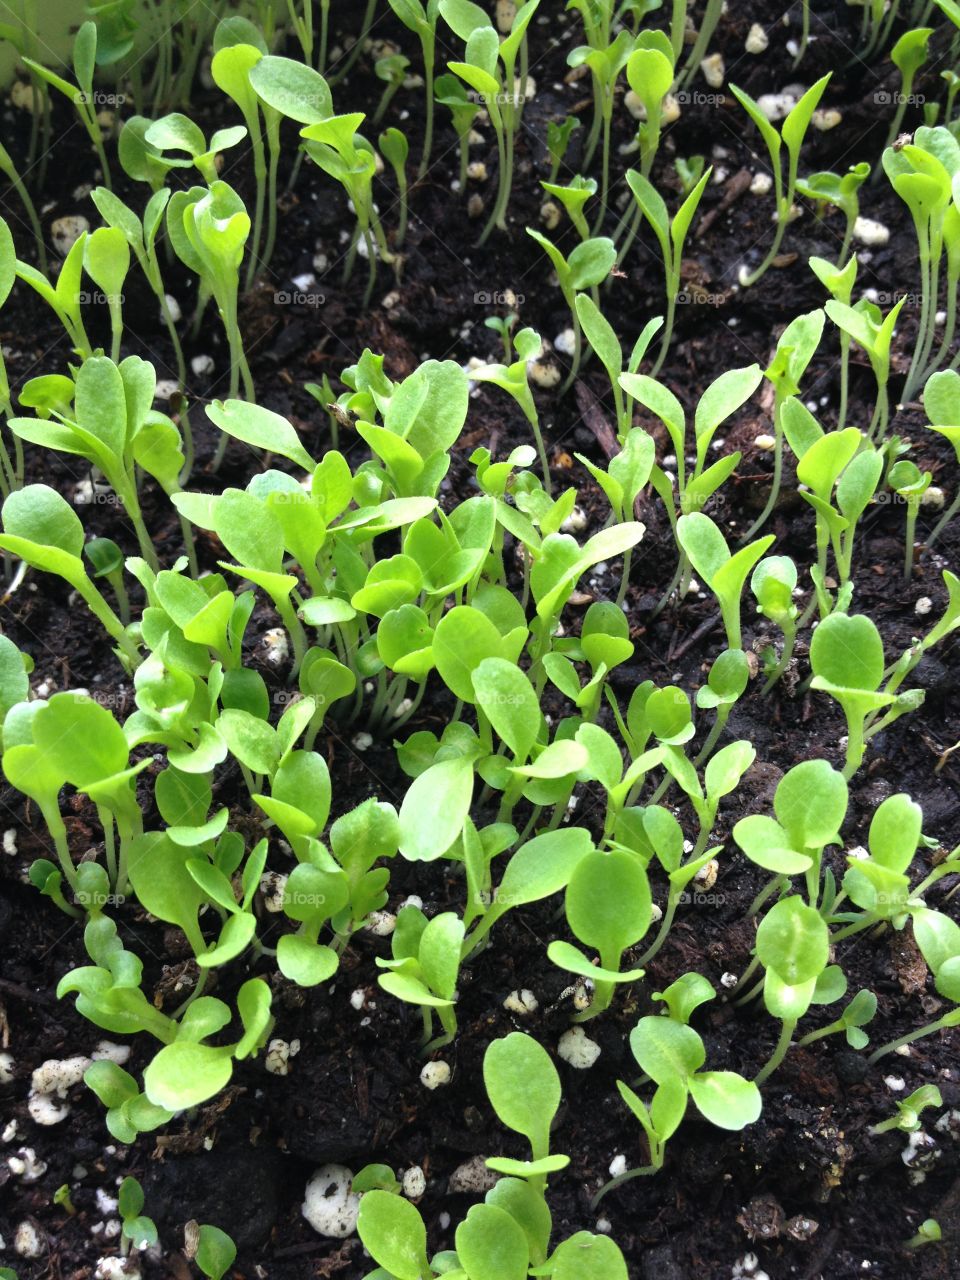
{"points": [[479, 491]]}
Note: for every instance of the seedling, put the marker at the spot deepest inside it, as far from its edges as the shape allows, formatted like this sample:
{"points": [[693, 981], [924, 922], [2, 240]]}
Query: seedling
{"points": [[589, 265], [573, 196], [773, 583], [839, 283], [137, 1231], [606, 346], [650, 73], [873, 332], [810, 804], [422, 19], [606, 61], [726, 683], [725, 395], [608, 907], [671, 234], [827, 188], [671, 1054], [559, 134], [907, 481], [906, 1116], [908, 55], [81, 93], [64, 297], [45, 532], [463, 111], [796, 347], [846, 655], [392, 70], [790, 135], [215, 1252], [513, 379], [524, 1090], [793, 947], [938, 937], [424, 969], [929, 1233], [502, 92], [941, 401], [394, 145], [725, 574]]}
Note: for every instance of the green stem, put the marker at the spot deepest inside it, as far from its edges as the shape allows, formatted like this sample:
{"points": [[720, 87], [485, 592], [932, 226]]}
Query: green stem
{"points": [[780, 1052]]}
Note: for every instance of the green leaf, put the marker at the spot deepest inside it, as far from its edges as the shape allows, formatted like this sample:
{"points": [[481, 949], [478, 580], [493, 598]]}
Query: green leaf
{"points": [[184, 1074], [427, 830], [666, 1050], [491, 1245], [793, 940], [726, 1099], [393, 1233]]}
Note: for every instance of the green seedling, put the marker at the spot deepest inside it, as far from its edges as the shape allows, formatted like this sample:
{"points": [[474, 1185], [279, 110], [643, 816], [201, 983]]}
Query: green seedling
{"points": [[588, 265], [793, 944], [81, 93], [846, 656], [559, 135], [606, 62], [922, 173], [11, 173], [724, 573], [810, 804], [606, 346], [938, 937], [136, 1231], [11, 472], [129, 1112], [64, 297], [394, 146], [671, 234], [930, 1233], [873, 333], [524, 1090], [215, 1252], [452, 94], [839, 283], [907, 1114], [608, 908], [840, 475], [910, 484], [424, 968], [114, 426], [839, 192], [106, 561], [941, 402], [790, 135], [726, 684], [650, 74], [141, 236], [773, 584], [177, 133], [908, 55], [689, 171], [489, 68], [573, 197], [392, 69], [45, 532], [683, 997], [796, 347], [689, 494], [422, 19], [671, 1055], [513, 379]]}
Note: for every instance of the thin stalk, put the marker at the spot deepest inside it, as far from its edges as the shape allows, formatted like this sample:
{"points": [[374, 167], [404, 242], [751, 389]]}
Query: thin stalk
{"points": [[764, 515], [780, 1052], [941, 1024]]}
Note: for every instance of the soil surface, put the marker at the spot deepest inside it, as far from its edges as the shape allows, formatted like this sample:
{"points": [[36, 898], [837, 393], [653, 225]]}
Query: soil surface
{"points": [[808, 1188]]}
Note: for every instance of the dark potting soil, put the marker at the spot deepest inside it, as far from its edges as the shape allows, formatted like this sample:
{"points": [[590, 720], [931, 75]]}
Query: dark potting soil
{"points": [[807, 1188]]}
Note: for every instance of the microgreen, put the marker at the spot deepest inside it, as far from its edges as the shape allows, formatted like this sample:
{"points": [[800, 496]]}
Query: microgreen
{"points": [[790, 135], [424, 967], [422, 19], [671, 234], [588, 265], [906, 1116], [724, 573], [793, 947], [84, 57], [840, 191], [524, 1090]]}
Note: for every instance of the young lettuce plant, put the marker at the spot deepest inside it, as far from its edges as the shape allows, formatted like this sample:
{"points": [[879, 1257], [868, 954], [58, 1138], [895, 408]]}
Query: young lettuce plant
{"points": [[424, 967], [422, 19], [513, 379], [463, 109], [941, 402], [724, 573], [606, 61], [790, 135], [606, 347], [773, 583], [909, 484], [793, 945], [671, 234], [44, 531], [727, 681], [725, 395], [846, 656], [588, 265], [502, 92], [810, 804], [671, 1055], [938, 937], [608, 907], [839, 284], [81, 94], [524, 1090], [873, 332], [908, 55], [796, 347], [827, 188], [650, 73], [840, 474]]}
